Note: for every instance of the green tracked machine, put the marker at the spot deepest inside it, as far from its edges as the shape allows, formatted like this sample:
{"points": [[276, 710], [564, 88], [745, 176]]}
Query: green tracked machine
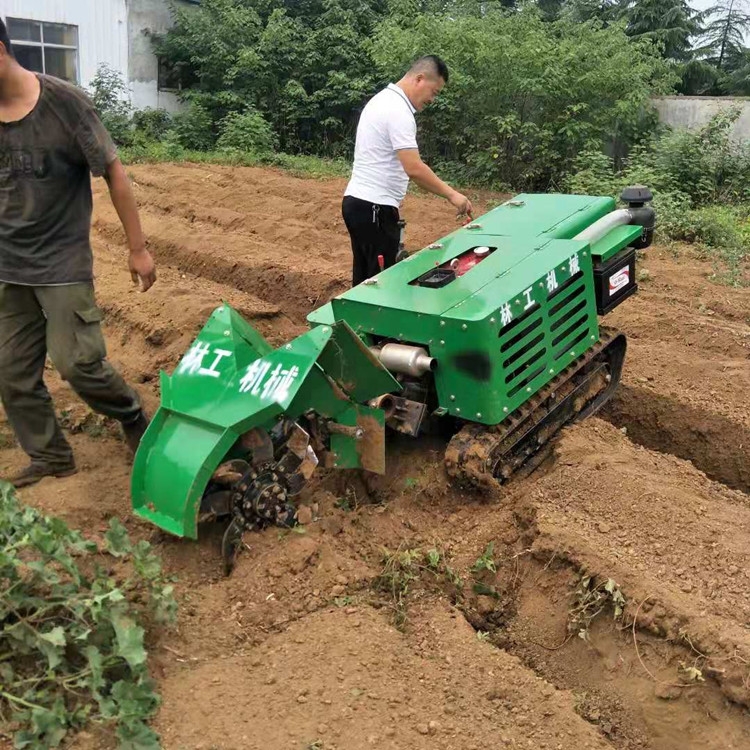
{"points": [[491, 332]]}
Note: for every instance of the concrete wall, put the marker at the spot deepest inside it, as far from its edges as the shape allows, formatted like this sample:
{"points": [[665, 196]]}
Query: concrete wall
{"points": [[147, 17], [692, 112]]}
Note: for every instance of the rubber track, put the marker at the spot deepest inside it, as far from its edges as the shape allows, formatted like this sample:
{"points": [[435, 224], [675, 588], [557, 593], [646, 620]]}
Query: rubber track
{"points": [[478, 453]]}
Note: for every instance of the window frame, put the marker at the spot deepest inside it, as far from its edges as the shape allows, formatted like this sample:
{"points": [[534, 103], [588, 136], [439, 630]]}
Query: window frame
{"points": [[41, 44]]}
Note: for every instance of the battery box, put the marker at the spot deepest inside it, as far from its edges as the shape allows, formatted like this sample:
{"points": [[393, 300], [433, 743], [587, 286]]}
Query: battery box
{"points": [[614, 280]]}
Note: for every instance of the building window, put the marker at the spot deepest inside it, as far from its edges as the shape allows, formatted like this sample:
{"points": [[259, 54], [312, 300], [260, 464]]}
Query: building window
{"points": [[50, 48]]}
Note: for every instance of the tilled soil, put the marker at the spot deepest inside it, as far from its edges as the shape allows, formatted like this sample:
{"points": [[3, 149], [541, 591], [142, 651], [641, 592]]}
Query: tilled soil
{"points": [[319, 640]]}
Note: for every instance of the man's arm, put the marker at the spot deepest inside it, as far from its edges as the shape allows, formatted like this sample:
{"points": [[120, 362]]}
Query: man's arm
{"points": [[141, 263], [418, 171]]}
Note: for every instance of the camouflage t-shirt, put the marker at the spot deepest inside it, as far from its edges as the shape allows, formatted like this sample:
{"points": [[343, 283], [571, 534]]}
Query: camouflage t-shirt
{"points": [[46, 162]]}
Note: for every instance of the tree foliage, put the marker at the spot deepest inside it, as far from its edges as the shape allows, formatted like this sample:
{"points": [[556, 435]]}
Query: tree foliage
{"points": [[304, 66], [524, 95]]}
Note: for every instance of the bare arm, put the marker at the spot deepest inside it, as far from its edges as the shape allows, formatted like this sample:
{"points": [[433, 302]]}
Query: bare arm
{"points": [[141, 263], [418, 171]]}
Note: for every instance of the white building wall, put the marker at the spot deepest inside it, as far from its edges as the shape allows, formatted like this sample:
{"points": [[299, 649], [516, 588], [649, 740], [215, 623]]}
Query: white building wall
{"points": [[102, 29], [113, 32]]}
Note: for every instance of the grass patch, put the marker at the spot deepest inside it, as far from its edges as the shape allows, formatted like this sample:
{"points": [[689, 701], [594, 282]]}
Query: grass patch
{"points": [[403, 568], [297, 165]]}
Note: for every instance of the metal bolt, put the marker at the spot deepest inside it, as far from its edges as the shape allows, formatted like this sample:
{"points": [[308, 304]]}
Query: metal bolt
{"points": [[492, 320], [505, 409], [593, 338], [442, 322], [453, 398], [458, 411], [551, 371], [585, 253], [326, 329], [529, 389], [479, 415], [442, 343], [464, 327], [541, 284], [227, 333], [289, 346]]}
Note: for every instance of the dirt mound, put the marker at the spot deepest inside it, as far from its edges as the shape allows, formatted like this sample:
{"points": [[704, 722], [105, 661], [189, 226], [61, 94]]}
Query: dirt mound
{"points": [[409, 614]]}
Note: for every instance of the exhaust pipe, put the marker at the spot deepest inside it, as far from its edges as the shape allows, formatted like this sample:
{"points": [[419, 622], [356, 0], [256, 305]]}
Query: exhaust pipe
{"points": [[408, 360]]}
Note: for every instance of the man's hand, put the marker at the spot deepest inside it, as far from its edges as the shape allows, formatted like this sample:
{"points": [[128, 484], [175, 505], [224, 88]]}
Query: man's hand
{"points": [[418, 171], [462, 204], [141, 263], [142, 268]]}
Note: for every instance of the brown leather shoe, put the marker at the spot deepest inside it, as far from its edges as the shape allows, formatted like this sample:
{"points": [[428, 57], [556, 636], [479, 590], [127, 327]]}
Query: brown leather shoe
{"points": [[134, 430], [35, 472]]}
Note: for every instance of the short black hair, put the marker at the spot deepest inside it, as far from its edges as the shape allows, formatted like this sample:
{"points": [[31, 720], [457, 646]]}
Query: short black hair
{"points": [[4, 38], [430, 64]]}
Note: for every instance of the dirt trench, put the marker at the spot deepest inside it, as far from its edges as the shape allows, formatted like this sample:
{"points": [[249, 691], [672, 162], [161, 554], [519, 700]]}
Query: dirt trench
{"points": [[304, 647]]}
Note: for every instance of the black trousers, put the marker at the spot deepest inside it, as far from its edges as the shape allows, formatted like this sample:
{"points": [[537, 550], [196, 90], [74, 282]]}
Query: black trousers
{"points": [[374, 231]]}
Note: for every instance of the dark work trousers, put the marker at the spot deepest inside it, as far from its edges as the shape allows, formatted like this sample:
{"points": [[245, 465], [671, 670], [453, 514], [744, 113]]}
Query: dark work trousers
{"points": [[63, 321], [374, 231]]}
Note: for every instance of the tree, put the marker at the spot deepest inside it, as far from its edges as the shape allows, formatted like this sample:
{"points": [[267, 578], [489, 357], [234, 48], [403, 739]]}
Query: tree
{"points": [[550, 9], [671, 24], [606, 11], [728, 23]]}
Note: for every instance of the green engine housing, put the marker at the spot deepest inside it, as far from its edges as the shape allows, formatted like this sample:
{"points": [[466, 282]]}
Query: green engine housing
{"points": [[507, 326]]}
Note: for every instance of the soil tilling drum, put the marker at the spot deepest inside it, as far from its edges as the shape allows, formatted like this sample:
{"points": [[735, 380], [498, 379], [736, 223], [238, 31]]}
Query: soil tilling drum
{"points": [[491, 333]]}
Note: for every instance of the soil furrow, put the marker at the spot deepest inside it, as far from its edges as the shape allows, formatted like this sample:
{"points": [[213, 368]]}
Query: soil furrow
{"points": [[716, 445]]}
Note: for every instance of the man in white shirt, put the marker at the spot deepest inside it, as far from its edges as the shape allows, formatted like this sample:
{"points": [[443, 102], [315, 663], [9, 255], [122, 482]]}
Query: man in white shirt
{"points": [[386, 156]]}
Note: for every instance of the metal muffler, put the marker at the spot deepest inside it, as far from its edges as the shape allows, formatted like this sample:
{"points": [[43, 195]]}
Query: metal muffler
{"points": [[409, 360]]}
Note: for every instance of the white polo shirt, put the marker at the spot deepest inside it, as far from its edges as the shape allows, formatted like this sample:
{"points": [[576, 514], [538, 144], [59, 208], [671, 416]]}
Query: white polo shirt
{"points": [[386, 126]]}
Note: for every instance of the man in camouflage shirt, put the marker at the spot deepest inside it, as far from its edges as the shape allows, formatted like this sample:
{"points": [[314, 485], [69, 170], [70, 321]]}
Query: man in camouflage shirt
{"points": [[51, 142]]}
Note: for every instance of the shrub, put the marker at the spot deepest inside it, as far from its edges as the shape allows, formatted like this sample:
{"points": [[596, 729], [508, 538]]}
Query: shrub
{"points": [[110, 96], [193, 129], [248, 131], [152, 124]]}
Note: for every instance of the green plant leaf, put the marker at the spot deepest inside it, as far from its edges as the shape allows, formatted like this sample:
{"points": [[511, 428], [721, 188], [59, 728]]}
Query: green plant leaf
{"points": [[56, 636], [433, 558], [137, 736], [129, 639], [116, 539], [135, 700], [95, 679], [51, 644], [145, 561], [48, 726]]}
